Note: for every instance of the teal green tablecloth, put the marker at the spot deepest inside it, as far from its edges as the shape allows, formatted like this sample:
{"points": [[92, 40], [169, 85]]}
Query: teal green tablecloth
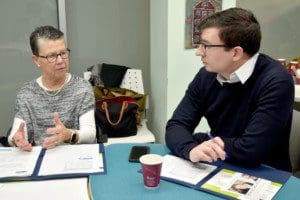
{"points": [[123, 181]]}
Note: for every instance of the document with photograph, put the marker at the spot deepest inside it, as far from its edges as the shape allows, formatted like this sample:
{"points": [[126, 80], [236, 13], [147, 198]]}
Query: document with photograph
{"points": [[220, 179], [241, 186], [182, 170]]}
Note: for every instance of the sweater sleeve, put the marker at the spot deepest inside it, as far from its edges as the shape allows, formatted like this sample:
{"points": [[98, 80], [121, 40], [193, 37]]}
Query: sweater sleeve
{"points": [[88, 101], [267, 124], [87, 129], [179, 130], [21, 114]]}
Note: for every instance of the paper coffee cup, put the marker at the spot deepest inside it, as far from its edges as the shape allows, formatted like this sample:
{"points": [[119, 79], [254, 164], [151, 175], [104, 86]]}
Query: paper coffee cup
{"points": [[151, 168]]}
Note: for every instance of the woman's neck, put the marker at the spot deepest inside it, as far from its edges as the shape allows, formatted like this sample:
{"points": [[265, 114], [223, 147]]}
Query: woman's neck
{"points": [[54, 84]]}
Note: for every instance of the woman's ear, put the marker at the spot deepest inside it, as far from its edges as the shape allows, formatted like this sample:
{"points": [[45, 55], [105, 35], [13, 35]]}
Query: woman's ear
{"points": [[35, 59]]}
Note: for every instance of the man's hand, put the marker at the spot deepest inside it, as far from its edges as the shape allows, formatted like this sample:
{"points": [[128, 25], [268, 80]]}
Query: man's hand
{"points": [[208, 151], [60, 134], [19, 139]]}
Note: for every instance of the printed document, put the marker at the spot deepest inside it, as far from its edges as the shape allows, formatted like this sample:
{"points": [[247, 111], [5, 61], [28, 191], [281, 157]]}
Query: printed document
{"points": [[182, 170], [242, 186], [18, 163], [72, 159]]}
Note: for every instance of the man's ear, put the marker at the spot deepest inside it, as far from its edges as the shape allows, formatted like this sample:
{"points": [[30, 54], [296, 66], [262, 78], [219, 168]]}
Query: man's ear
{"points": [[238, 53]]}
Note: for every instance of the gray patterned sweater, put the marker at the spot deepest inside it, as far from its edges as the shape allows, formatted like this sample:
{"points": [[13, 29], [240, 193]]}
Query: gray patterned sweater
{"points": [[36, 106]]}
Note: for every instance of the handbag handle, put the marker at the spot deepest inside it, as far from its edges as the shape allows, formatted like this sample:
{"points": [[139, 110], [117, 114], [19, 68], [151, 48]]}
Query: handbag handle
{"points": [[124, 106]]}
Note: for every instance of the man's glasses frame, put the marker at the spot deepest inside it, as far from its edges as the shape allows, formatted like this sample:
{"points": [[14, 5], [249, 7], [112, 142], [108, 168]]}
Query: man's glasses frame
{"points": [[204, 46], [52, 57]]}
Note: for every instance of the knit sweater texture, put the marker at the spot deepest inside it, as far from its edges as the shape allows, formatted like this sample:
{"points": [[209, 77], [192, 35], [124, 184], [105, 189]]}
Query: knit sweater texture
{"points": [[253, 119], [36, 106]]}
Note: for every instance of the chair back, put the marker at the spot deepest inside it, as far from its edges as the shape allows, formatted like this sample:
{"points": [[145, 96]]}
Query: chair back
{"points": [[295, 144], [133, 80], [4, 139]]}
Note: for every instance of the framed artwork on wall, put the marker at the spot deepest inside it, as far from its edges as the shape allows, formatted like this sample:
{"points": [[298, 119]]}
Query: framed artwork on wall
{"points": [[196, 11]]}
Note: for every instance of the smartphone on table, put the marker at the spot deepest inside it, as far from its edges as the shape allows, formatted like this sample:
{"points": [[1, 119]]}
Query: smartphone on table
{"points": [[136, 152]]}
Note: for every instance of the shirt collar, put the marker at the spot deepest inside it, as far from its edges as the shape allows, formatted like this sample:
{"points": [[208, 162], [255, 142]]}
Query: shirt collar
{"points": [[242, 74], [39, 81]]}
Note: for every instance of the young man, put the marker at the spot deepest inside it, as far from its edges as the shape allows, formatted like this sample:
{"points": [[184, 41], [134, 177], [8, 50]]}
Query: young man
{"points": [[246, 97]]}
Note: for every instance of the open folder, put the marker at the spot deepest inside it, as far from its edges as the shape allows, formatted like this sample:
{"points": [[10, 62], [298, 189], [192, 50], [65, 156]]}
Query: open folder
{"points": [[63, 161], [224, 179]]}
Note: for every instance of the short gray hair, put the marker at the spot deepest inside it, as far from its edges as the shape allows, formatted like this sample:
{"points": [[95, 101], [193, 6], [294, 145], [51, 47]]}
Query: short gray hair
{"points": [[45, 32]]}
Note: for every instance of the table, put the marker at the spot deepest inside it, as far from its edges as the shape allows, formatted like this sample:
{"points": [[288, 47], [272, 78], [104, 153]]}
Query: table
{"points": [[123, 181], [67, 189]]}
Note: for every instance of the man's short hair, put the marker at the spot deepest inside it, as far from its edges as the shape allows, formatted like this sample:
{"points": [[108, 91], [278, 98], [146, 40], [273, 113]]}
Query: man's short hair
{"points": [[238, 27], [44, 32]]}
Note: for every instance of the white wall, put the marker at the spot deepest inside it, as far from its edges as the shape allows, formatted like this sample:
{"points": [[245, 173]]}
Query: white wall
{"points": [[158, 67], [181, 64]]}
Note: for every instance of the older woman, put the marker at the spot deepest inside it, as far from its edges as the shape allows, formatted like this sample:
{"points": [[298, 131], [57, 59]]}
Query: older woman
{"points": [[57, 107]]}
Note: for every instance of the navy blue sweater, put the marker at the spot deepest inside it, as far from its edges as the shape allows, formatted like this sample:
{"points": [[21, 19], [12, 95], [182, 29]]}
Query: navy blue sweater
{"points": [[253, 119]]}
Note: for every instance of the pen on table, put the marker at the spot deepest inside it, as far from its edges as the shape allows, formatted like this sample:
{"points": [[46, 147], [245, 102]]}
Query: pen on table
{"points": [[199, 166], [212, 138]]}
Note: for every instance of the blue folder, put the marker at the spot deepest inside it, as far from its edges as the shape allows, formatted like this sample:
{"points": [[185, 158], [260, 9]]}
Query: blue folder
{"points": [[264, 172], [35, 173]]}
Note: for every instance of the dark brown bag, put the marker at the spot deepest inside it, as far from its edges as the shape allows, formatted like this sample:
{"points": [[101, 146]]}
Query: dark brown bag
{"points": [[102, 92], [116, 116]]}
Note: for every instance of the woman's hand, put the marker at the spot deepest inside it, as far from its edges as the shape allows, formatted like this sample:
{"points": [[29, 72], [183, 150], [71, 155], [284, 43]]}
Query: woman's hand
{"points": [[60, 134], [19, 139]]}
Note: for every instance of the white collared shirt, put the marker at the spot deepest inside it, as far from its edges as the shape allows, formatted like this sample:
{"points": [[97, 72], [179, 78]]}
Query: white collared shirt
{"points": [[242, 73]]}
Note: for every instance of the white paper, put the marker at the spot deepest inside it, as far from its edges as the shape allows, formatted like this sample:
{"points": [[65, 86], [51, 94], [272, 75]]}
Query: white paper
{"points": [[66, 189], [72, 159], [242, 186], [18, 163], [183, 170]]}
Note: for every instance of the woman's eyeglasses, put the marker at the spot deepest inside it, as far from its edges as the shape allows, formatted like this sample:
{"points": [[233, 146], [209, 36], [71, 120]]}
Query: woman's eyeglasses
{"points": [[52, 57]]}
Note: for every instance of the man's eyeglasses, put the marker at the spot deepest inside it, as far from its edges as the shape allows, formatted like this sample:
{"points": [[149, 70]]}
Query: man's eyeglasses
{"points": [[52, 57], [203, 47]]}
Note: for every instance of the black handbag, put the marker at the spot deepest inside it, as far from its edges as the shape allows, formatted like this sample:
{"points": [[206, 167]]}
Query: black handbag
{"points": [[102, 92], [117, 116]]}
